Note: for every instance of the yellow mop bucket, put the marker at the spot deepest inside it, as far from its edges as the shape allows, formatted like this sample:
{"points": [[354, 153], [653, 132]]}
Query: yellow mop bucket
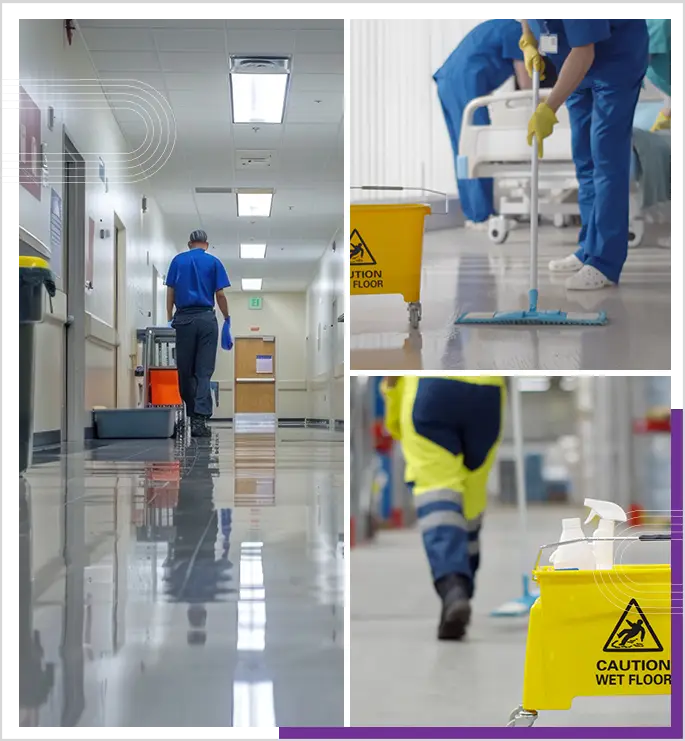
{"points": [[597, 634], [386, 246]]}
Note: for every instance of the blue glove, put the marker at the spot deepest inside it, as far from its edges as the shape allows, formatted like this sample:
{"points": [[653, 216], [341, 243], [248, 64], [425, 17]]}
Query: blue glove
{"points": [[226, 339]]}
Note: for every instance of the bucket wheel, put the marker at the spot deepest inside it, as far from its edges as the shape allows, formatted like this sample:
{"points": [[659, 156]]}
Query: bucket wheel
{"points": [[636, 232], [498, 229], [415, 314], [521, 718]]}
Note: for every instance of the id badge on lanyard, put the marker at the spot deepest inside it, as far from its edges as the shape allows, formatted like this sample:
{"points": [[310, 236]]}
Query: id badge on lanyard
{"points": [[549, 43]]}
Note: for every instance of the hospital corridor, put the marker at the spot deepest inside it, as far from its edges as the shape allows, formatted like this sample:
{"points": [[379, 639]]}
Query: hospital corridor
{"points": [[447, 269], [181, 508]]}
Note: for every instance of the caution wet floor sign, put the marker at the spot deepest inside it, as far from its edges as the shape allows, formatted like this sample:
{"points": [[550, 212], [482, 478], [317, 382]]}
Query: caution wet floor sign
{"points": [[386, 244], [598, 634]]}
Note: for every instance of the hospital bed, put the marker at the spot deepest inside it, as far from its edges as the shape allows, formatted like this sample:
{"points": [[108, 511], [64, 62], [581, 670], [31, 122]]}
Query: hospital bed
{"points": [[500, 151]]}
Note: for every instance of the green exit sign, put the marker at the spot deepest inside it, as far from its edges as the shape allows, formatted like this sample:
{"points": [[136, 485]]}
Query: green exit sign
{"points": [[255, 302]]}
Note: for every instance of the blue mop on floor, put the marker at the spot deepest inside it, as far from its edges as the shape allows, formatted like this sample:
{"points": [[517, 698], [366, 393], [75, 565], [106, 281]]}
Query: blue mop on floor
{"points": [[533, 316], [519, 606]]}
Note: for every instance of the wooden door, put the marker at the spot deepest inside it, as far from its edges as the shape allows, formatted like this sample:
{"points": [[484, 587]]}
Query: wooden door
{"points": [[255, 375]]}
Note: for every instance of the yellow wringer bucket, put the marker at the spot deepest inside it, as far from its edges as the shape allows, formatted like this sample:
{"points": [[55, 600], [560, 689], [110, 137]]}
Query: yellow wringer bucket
{"points": [[596, 633]]}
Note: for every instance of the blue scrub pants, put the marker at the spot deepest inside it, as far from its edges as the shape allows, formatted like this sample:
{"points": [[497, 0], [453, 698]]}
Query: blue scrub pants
{"points": [[476, 196], [197, 339], [601, 130]]}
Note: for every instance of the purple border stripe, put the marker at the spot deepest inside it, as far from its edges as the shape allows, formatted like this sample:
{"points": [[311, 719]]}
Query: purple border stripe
{"points": [[674, 731]]}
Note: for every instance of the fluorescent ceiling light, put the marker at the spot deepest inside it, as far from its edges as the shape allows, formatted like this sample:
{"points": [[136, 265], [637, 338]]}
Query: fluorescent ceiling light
{"points": [[251, 284], [258, 98], [252, 251], [254, 204]]}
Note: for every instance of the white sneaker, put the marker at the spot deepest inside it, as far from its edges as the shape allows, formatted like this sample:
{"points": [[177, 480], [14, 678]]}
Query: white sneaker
{"points": [[569, 264], [476, 226], [588, 279]]}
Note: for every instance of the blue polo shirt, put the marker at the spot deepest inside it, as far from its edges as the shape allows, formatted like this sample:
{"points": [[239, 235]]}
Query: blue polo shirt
{"points": [[196, 276], [621, 46]]}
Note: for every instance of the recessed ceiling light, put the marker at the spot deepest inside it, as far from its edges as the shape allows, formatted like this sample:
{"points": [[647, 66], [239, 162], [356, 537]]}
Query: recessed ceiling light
{"points": [[251, 284], [258, 90], [254, 203], [252, 251]]}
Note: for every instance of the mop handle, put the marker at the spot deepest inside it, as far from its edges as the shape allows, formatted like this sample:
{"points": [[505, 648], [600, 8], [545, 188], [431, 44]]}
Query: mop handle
{"points": [[533, 294], [647, 537], [519, 463]]}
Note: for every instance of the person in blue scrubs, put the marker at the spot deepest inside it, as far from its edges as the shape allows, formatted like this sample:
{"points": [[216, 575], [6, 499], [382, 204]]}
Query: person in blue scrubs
{"points": [[601, 66], [484, 60]]}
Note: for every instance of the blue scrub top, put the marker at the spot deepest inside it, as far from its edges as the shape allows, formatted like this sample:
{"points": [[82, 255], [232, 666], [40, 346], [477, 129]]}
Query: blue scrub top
{"points": [[621, 46], [196, 276], [488, 51]]}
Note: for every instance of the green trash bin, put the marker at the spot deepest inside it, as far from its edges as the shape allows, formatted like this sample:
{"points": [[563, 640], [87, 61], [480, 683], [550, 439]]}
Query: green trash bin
{"points": [[34, 277]]}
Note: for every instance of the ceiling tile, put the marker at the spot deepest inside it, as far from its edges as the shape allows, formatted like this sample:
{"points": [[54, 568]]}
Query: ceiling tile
{"points": [[107, 39], [319, 64], [310, 135], [208, 81], [318, 83], [172, 40], [320, 41], [106, 62], [210, 62], [261, 42], [291, 25], [266, 137], [119, 81]]}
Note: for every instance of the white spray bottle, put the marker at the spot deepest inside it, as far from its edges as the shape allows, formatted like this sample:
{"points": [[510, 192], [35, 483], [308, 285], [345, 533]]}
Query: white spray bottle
{"points": [[609, 513], [573, 555]]}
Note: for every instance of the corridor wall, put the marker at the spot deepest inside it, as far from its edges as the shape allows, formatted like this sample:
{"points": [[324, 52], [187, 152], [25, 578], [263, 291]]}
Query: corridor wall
{"points": [[49, 69]]}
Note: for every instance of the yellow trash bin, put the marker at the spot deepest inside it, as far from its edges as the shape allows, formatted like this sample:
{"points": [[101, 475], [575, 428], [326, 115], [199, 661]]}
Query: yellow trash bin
{"points": [[386, 245], [597, 634]]}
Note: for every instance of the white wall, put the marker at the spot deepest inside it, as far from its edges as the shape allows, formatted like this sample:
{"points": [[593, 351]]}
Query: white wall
{"points": [[45, 56], [283, 316], [325, 337], [398, 135]]}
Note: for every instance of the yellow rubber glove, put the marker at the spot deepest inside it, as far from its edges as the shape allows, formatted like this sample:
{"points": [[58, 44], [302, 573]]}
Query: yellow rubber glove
{"points": [[662, 123], [531, 56], [393, 407], [541, 125]]}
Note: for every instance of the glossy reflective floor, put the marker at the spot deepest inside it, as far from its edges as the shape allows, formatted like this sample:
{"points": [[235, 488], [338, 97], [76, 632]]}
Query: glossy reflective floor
{"points": [[184, 583], [478, 682], [464, 271]]}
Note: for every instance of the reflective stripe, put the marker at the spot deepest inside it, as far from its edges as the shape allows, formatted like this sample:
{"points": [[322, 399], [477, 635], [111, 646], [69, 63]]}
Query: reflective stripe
{"points": [[438, 495], [475, 524], [474, 547], [446, 517]]}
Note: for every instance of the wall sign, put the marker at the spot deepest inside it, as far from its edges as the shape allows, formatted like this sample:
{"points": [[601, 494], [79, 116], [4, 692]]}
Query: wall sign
{"points": [[30, 159], [254, 302], [265, 364]]}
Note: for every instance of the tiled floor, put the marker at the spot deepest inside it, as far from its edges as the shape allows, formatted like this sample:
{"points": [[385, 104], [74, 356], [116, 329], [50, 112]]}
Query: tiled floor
{"points": [[402, 676], [194, 583], [464, 271]]}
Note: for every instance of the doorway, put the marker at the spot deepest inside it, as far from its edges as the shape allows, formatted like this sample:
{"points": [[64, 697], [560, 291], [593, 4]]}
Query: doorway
{"points": [[74, 281], [255, 380], [123, 388]]}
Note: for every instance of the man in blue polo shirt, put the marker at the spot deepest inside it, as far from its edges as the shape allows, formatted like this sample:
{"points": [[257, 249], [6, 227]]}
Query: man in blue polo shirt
{"points": [[196, 280]]}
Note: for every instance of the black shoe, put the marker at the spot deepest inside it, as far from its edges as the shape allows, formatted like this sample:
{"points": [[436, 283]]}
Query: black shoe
{"points": [[199, 428], [455, 592]]}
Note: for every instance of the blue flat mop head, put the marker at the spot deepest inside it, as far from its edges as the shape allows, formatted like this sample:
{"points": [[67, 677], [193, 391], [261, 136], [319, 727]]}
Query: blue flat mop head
{"points": [[532, 318]]}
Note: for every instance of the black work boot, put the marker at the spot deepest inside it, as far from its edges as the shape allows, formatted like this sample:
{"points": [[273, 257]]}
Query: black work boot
{"points": [[455, 592], [199, 428]]}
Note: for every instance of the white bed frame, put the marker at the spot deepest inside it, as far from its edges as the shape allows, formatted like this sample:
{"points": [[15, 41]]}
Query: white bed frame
{"points": [[500, 151]]}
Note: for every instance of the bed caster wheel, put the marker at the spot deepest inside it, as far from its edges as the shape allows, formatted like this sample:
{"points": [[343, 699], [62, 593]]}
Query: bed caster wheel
{"points": [[498, 230], [414, 315], [636, 231], [520, 718]]}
